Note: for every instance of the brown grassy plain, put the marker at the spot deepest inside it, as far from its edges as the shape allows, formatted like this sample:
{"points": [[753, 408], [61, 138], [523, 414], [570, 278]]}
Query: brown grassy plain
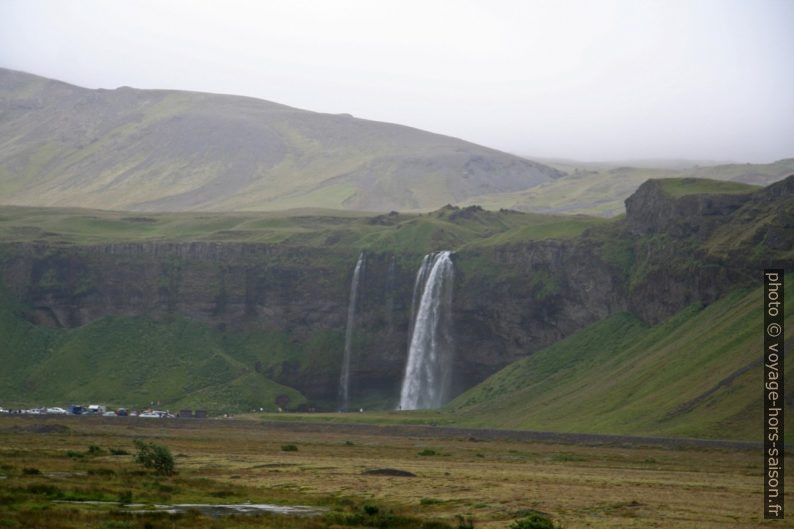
{"points": [[490, 482]]}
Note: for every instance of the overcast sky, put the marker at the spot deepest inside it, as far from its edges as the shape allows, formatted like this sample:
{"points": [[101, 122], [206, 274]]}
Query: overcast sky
{"points": [[593, 80]]}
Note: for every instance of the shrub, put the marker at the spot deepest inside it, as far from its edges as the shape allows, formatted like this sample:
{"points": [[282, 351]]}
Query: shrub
{"points": [[125, 498], [118, 452], [94, 450], [45, 490], [428, 452], [535, 520], [464, 522], [155, 457], [101, 472], [289, 448], [31, 471]]}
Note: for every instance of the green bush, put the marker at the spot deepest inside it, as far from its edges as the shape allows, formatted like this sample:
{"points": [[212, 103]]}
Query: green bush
{"points": [[31, 471], [535, 520], [289, 448], [428, 452], [464, 522], [94, 450], [155, 457]]}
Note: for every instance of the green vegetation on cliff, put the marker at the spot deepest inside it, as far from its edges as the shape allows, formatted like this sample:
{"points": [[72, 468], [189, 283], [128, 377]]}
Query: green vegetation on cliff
{"points": [[448, 227], [133, 361], [696, 375], [679, 187]]}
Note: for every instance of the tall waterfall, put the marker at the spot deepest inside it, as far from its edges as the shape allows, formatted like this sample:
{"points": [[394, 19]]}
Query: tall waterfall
{"points": [[427, 373], [344, 377]]}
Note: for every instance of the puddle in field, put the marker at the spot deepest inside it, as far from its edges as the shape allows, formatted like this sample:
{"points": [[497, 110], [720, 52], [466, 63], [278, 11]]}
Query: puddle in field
{"points": [[212, 509]]}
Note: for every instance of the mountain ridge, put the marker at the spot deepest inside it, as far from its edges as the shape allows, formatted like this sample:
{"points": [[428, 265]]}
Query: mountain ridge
{"points": [[169, 150]]}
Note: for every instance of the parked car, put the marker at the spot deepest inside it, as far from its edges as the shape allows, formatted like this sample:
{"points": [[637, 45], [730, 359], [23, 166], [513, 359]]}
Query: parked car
{"points": [[57, 411]]}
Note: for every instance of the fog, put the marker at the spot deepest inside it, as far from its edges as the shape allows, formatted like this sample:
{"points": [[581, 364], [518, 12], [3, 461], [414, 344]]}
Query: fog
{"points": [[606, 80]]}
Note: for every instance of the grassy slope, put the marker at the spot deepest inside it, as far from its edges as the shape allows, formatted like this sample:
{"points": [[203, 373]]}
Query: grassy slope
{"points": [[697, 374], [162, 150], [131, 361], [595, 189]]}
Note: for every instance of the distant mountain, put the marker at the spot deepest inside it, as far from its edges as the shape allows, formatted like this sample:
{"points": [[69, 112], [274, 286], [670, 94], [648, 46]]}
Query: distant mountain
{"points": [[599, 188], [63, 145]]}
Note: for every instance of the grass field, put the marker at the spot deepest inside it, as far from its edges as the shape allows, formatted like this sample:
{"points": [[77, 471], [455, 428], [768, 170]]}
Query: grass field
{"points": [[489, 483], [448, 227]]}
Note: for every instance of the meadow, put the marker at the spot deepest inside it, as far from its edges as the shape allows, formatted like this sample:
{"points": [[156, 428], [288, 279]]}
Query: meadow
{"points": [[456, 482]]}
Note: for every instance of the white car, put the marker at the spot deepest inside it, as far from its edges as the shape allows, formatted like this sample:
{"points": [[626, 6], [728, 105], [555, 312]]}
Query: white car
{"points": [[109, 414], [57, 411]]}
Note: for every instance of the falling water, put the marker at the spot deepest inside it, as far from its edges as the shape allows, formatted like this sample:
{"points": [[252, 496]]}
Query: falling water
{"points": [[427, 373], [391, 281], [419, 285], [344, 378]]}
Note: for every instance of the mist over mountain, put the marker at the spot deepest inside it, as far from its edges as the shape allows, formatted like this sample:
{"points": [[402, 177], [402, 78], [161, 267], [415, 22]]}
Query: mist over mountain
{"points": [[63, 145]]}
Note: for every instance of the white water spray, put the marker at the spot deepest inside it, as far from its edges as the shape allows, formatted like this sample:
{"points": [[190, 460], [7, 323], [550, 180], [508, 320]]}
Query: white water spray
{"points": [[428, 371], [344, 377]]}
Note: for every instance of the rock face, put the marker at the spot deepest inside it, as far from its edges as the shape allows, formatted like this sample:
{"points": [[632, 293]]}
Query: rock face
{"points": [[508, 300], [651, 210]]}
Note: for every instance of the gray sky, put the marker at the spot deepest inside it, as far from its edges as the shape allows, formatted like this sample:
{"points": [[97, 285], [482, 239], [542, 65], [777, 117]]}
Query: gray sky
{"points": [[594, 80]]}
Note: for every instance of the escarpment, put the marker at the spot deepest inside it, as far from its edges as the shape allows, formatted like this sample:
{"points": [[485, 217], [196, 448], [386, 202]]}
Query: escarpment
{"points": [[510, 298]]}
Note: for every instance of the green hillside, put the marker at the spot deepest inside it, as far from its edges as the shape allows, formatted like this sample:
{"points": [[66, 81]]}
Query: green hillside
{"points": [[697, 375], [132, 361], [166, 150]]}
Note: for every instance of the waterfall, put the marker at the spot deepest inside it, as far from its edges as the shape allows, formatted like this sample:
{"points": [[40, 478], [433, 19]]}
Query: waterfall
{"points": [[419, 285], [427, 373], [344, 377], [391, 282]]}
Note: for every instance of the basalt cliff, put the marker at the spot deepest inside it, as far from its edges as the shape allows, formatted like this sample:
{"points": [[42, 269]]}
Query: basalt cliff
{"points": [[276, 309]]}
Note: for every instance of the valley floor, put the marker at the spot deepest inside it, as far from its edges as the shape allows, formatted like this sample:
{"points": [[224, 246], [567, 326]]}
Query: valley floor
{"points": [[492, 481]]}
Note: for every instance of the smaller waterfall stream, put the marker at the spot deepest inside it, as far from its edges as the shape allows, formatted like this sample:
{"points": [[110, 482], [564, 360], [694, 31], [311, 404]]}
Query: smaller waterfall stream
{"points": [[427, 372], [344, 377]]}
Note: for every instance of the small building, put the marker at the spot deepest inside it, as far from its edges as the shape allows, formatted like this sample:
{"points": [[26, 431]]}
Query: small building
{"points": [[185, 414], [200, 414]]}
